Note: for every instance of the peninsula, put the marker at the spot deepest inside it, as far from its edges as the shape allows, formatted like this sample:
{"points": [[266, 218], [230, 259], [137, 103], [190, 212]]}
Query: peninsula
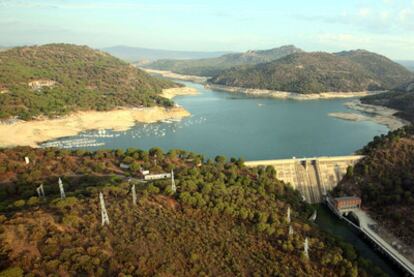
{"points": [[59, 90]]}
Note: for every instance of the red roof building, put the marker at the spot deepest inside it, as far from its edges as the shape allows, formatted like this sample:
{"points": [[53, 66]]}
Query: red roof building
{"points": [[347, 202]]}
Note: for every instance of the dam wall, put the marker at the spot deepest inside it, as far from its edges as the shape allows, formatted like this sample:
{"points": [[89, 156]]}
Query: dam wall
{"points": [[313, 177]]}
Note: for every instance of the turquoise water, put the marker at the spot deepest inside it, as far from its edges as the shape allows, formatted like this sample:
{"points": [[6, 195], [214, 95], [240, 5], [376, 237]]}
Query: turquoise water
{"points": [[239, 126]]}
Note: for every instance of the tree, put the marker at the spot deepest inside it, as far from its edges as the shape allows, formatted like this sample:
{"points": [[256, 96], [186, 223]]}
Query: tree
{"points": [[12, 272]]}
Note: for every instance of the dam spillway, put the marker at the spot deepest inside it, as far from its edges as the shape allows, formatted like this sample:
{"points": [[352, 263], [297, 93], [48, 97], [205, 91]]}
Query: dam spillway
{"points": [[313, 177]]}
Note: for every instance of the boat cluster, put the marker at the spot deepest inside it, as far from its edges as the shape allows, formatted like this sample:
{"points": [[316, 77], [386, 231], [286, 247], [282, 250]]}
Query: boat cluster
{"points": [[100, 134], [73, 143], [164, 127]]}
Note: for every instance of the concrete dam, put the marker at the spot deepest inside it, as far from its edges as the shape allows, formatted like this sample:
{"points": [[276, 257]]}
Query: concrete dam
{"points": [[313, 177]]}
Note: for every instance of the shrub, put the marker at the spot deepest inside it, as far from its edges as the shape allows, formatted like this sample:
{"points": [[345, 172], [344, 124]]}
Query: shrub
{"points": [[19, 203], [12, 272]]}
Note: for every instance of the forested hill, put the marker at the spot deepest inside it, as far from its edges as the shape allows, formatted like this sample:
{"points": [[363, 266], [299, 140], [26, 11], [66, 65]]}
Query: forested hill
{"points": [[213, 66], [401, 98], [224, 220], [385, 181], [318, 72], [390, 73], [56, 79]]}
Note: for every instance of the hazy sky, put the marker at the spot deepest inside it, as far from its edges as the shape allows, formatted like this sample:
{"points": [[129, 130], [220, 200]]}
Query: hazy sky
{"points": [[384, 26]]}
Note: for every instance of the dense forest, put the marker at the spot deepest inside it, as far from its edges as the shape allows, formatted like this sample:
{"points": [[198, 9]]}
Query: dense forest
{"points": [[400, 98], [79, 78], [224, 220], [385, 181], [319, 72], [213, 66]]}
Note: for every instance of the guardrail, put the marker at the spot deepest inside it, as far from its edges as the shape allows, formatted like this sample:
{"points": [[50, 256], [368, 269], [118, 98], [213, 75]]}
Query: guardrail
{"points": [[389, 250]]}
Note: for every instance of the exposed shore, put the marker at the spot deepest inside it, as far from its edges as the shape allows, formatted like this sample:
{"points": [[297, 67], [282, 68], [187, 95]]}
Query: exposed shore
{"points": [[291, 95], [379, 114], [170, 93], [32, 133], [176, 76]]}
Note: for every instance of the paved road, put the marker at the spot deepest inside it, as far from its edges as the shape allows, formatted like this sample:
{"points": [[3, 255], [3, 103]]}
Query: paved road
{"points": [[365, 222]]}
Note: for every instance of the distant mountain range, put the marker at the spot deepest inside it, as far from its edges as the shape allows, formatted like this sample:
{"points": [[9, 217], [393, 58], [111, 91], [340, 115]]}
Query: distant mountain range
{"points": [[213, 66], [138, 54], [408, 64], [317, 72]]}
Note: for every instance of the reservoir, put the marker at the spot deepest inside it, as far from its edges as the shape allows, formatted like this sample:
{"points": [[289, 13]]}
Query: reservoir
{"points": [[236, 125]]}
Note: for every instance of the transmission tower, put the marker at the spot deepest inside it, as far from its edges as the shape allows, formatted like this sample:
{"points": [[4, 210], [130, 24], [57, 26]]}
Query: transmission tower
{"points": [[173, 186], [62, 191], [288, 215], [104, 214], [40, 191], [290, 230], [306, 248], [134, 195]]}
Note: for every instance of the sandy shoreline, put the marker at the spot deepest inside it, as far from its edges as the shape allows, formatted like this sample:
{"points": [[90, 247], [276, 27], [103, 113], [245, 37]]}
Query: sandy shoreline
{"points": [[170, 93], [176, 76], [379, 114], [32, 133], [290, 95]]}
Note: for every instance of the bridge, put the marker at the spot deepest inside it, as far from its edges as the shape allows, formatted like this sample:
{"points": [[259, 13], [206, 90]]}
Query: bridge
{"points": [[367, 226], [313, 177]]}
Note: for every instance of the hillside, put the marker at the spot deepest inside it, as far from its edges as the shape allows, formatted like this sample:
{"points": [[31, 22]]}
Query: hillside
{"points": [[224, 220], [304, 73], [213, 66], [56, 79], [134, 54], [385, 181], [391, 74], [401, 98]]}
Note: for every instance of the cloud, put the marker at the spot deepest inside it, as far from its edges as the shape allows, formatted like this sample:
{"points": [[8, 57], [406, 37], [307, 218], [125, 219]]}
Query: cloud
{"points": [[364, 12], [99, 5], [387, 44], [379, 19]]}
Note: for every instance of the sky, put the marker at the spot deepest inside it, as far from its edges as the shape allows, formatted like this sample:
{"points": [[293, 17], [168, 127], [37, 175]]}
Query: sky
{"points": [[382, 26]]}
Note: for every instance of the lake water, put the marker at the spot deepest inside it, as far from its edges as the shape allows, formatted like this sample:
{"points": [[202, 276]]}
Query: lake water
{"points": [[235, 125]]}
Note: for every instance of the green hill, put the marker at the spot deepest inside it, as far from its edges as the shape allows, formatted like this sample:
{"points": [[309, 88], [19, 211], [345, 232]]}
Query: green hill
{"points": [[318, 72], [56, 79], [390, 73], [224, 220], [400, 98], [385, 181], [213, 66]]}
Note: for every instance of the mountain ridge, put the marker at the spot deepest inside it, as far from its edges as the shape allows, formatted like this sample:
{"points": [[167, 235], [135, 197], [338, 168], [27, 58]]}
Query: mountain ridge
{"points": [[213, 66], [135, 54], [315, 72]]}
